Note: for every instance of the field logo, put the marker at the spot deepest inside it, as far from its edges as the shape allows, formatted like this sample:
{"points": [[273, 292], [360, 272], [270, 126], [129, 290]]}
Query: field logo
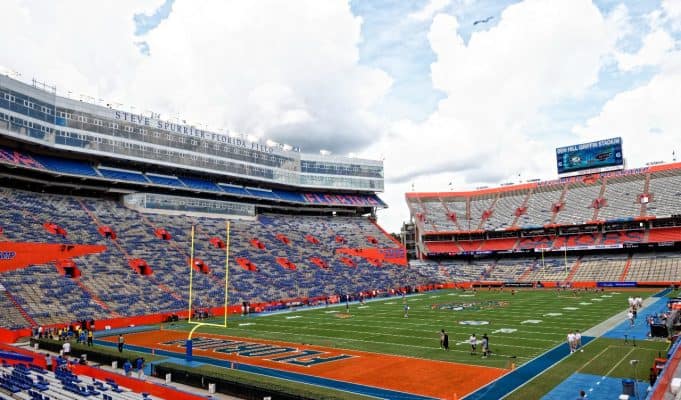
{"points": [[474, 323], [470, 306], [505, 330]]}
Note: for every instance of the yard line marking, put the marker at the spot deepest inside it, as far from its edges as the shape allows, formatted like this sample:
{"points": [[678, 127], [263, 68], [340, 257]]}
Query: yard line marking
{"points": [[620, 362], [593, 358], [337, 340]]}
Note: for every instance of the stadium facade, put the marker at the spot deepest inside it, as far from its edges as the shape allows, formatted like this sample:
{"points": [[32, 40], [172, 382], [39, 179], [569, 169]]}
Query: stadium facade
{"points": [[40, 117]]}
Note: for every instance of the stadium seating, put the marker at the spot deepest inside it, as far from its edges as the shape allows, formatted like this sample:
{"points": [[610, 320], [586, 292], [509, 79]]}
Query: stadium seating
{"points": [[539, 210], [66, 166], [121, 175], [200, 184], [164, 180], [575, 201], [34, 383], [551, 269], [10, 317], [657, 268], [578, 203], [108, 287], [437, 213], [479, 207], [665, 191], [622, 195], [458, 207], [233, 189], [504, 211], [601, 268]]}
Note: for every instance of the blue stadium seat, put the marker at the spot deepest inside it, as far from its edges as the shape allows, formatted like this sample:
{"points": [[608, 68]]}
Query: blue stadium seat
{"points": [[66, 166], [200, 184], [121, 175]]}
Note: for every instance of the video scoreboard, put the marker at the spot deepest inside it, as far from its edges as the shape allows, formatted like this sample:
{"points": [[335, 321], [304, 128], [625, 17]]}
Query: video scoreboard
{"points": [[588, 158]]}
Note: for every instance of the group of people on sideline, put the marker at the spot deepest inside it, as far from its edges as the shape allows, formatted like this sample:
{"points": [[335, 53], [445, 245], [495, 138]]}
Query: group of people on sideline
{"points": [[472, 340], [83, 332]]}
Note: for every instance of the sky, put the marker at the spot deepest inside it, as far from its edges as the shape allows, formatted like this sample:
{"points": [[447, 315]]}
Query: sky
{"points": [[448, 103]]}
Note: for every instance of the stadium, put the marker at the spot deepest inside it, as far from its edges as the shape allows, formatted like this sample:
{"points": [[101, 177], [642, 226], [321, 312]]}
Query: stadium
{"points": [[235, 267]]}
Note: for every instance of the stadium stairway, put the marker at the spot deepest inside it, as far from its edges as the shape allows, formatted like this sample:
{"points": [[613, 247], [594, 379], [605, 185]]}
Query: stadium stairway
{"points": [[19, 308], [626, 269], [574, 269]]}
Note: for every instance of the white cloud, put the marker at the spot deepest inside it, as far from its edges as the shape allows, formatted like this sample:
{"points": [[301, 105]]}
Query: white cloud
{"points": [[427, 12], [74, 44], [672, 11], [654, 50], [646, 117], [290, 73], [496, 86]]}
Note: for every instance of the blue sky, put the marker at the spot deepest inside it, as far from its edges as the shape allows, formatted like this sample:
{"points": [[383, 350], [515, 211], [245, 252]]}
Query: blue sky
{"points": [[399, 46], [415, 83]]}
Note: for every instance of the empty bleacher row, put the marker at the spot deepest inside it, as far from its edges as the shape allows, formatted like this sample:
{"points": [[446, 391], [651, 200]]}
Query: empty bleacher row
{"points": [[62, 166], [614, 197], [110, 285], [34, 383], [648, 267]]}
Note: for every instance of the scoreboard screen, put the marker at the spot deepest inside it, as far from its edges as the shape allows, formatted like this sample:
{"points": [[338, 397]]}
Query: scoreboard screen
{"points": [[601, 156]]}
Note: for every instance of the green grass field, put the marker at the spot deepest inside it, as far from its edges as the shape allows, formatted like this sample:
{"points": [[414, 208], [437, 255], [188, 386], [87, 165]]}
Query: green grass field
{"points": [[520, 326]]}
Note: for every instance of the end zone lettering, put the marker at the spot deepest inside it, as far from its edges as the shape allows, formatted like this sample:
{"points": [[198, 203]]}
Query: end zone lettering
{"points": [[304, 357]]}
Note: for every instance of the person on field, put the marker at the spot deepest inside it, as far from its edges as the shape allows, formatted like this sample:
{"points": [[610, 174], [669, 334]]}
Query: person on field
{"points": [[445, 341], [571, 341], [485, 346], [442, 338], [474, 343]]}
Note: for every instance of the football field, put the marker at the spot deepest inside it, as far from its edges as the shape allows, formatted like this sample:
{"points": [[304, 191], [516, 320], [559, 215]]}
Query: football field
{"points": [[520, 326], [375, 350]]}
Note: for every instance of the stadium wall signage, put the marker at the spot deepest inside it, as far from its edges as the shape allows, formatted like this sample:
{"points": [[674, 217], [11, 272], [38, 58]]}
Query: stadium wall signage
{"points": [[139, 119], [288, 355], [7, 255], [616, 284]]}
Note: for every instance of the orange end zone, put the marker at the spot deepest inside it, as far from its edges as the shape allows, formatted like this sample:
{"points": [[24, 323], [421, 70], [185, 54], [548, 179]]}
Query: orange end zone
{"points": [[431, 378]]}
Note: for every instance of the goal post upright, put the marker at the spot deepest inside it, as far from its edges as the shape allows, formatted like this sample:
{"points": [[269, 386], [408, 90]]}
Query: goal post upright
{"points": [[188, 343]]}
